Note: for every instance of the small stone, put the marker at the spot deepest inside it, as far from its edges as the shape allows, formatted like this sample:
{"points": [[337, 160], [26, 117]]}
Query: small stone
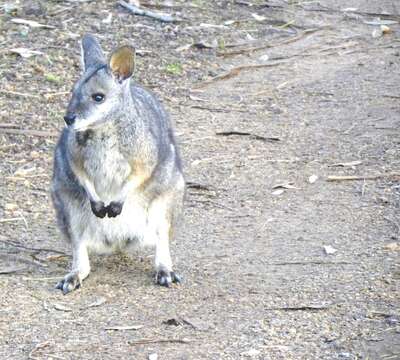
{"points": [[153, 356], [329, 250], [251, 353], [312, 179], [264, 58]]}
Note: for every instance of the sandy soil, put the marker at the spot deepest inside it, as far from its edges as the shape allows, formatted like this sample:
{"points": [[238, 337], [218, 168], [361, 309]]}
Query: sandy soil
{"points": [[258, 282]]}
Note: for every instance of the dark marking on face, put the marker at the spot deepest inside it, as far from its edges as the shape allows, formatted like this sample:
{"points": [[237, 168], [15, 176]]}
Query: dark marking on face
{"points": [[82, 137]]}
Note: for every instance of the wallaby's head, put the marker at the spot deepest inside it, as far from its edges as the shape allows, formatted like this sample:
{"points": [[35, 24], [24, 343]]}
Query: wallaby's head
{"points": [[100, 92]]}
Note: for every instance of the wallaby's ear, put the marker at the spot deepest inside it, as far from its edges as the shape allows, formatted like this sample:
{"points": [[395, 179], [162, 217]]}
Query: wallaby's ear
{"points": [[122, 62], [92, 54]]}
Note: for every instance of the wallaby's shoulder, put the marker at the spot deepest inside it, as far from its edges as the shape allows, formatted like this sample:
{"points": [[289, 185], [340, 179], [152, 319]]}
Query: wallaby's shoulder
{"points": [[148, 99]]}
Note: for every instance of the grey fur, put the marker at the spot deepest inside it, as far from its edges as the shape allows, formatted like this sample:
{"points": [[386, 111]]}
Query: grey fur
{"points": [[119, 152]]}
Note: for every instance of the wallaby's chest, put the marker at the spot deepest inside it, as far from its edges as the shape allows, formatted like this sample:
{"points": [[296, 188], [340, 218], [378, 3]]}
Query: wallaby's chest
{"points": [[102, 160]]}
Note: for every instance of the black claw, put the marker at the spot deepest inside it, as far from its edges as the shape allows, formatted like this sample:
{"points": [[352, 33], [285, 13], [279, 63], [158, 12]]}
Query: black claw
{"points": [[175, 278], [98, 208], [165, 279], [114, 209], [69, 283]]}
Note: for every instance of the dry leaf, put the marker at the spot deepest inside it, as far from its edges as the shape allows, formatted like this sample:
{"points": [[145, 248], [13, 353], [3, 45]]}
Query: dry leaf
{"points": [[395, 246], [284, 186], [10, 207], [386, 29], [61, 307], [24, 171], [258, 17]]}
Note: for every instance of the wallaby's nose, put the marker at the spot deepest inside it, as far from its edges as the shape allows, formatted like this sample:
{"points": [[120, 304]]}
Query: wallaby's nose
{"points": [[69, 118]]}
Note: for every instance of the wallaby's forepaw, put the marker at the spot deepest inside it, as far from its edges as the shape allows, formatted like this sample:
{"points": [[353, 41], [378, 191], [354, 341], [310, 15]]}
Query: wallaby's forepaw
{"points": [[98, 208], [114, 208], [69, 283], [165, 278]]}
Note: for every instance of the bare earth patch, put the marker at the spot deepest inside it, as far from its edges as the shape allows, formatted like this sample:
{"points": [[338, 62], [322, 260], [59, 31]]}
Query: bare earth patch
{"points": [[269, 100]]}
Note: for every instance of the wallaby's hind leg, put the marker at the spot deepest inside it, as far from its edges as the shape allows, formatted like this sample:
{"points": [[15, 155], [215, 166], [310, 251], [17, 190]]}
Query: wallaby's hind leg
{"points": [[80, 269], [162, 218], [163, 263]]}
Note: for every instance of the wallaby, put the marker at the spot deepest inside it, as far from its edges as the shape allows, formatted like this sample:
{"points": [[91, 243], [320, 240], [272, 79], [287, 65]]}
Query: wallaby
{"points": [[117, 180]]}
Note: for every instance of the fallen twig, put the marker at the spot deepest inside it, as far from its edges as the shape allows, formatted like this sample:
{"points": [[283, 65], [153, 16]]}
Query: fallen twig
{"points": [[230, 109], [11, 270], [250, 135], [122, 328], [344, 164], [301, 308], [41, 278], [11, 219], [7, 126], [235, 71], [34, 249], [216, 204], [28, 132], [135, 10], [311, 263], [198, 186], [365, 13], [54, 94], [361, 177], [16, 93], [159, 341], [267, 46]]}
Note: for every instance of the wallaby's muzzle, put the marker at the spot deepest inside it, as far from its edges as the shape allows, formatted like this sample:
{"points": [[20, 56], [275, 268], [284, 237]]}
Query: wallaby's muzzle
{"points": [[69, 118]]}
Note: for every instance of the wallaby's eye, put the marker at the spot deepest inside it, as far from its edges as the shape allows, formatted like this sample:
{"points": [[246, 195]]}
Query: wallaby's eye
{"points": [[98, 97]]}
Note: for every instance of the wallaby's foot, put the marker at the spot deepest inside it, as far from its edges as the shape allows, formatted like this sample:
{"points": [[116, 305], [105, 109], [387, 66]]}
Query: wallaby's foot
{"points": [[70, 282], [114, 208], [165, 278], [98, 208]]}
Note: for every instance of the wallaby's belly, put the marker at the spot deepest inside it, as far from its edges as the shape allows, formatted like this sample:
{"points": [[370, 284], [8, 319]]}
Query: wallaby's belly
{"points": [[130, 229]]}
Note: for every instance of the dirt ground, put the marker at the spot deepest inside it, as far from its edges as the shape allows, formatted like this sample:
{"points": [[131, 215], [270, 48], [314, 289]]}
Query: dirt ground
{"points": [[252, 250]]}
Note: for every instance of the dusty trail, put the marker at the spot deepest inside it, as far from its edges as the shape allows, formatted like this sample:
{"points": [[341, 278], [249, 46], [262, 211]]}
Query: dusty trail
{"points": [[257, 281]]}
